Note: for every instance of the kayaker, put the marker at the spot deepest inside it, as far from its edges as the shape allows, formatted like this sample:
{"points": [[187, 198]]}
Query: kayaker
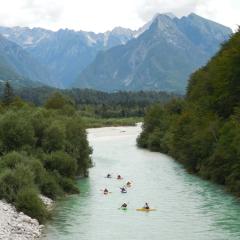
{"points": [[119, 177], [105, 191], [146, 206], [109, 175], [123, 190], [124, 205], [129, 183]]}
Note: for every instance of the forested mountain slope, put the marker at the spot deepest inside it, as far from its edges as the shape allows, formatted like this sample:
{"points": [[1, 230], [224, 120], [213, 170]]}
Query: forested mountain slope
{"points": [[203, 131]]}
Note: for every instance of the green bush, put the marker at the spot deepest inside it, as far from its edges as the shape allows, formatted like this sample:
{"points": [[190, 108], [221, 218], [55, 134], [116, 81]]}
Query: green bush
{"points": [[58, 101], [53, 139], [77, 145], [28, 201], [154, 144], [39, 172], [40, 153], [68, 185], [12, 181], [40, 121], [15, 131], [11, 160], [61, 162], [50, 187]]}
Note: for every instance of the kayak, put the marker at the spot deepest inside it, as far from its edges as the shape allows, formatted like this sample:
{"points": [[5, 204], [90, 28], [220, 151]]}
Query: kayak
{"points": [[123, 208], [106, 193], [146, 210], [123, 191]]}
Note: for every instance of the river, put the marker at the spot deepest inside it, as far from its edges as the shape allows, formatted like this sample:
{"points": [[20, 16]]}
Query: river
{"points": [[188, 208]]}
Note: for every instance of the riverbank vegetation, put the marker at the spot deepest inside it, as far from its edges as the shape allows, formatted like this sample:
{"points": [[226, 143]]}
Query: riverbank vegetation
{"points": [[101, 107], [96, 122], [42, 150], [203, 130]]}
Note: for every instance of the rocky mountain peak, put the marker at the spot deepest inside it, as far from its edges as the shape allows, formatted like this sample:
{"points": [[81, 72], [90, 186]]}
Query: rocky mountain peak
{"points": [[122, 31]]}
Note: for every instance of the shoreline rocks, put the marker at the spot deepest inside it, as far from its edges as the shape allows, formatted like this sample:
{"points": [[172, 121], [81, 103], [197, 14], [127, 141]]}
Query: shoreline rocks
{"points": [[47, 202], [18, 226]]}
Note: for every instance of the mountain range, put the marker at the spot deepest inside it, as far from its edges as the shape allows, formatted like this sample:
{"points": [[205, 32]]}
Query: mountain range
{"points": [[64, 53], [159, 56], [162, 57]]}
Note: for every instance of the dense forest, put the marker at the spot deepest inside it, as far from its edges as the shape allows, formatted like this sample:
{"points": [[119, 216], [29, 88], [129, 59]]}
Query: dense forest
{"points": [[202, 131], [42, 150], [99, 104]]}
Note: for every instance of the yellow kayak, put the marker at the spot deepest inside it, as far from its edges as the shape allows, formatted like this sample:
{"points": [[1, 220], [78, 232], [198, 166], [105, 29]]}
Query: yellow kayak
{"points": [[146, 210]]}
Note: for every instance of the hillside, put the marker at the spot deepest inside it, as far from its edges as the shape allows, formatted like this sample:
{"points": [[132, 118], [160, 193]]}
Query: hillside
{"points": [[5, 70], [17, 63], [8, 74], [202, 131], [162, 57]]}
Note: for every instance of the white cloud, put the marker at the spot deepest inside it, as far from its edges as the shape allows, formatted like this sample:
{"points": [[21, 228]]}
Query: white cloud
{"points": [[150, 7], [222, 11], [29, 12], [102, 15], [95, 15]]}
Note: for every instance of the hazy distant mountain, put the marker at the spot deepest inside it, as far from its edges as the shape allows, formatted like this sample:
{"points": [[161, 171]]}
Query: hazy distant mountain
{"points": [[66, 52], [161, 58], [16, 62], [24, 36], [16, 80]]}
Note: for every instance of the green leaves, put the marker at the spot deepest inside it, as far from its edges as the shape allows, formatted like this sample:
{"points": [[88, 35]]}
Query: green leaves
{"points": [[61, 162], [58, 101], [203, 132], [28, 201], [15, 131], [42, 150]]}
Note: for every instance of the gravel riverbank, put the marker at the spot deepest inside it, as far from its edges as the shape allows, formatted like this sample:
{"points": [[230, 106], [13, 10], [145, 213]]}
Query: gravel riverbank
{"points": [[18, 226]]}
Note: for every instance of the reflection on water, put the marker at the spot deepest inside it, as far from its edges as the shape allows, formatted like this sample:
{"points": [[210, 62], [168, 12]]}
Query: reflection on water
{"points": [[188, 208]]}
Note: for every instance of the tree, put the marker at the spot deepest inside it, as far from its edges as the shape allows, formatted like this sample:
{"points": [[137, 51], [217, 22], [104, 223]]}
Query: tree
{"points": [[8, 94], [203, 130], [58, 101], [77, 145], [16, 131], [54, 138]]}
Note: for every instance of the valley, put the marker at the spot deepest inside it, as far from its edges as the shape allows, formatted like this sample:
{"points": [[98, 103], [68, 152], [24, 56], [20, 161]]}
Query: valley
{"points": [[152, 110]]}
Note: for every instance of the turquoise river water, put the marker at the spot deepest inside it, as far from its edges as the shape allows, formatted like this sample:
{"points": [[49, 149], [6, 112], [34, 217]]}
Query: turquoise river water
{"points": [[188, 208]]}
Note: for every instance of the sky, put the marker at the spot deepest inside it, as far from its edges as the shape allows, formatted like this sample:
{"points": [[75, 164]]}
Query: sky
{"points": [[103, 15]]}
